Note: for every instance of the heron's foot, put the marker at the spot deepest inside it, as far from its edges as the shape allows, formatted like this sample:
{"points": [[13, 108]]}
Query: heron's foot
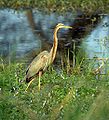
{"points": [[28, 85]]}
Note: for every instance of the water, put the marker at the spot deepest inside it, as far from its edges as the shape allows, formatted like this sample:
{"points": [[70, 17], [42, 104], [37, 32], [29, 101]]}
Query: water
{"points": [[96, 44], [17, 38]]}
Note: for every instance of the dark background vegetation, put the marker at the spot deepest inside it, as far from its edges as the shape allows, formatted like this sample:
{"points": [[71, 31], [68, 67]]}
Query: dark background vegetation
{"points": [[58, 5]]}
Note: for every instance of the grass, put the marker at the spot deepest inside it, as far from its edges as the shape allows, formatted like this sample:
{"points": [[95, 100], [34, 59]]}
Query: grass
{"points": [[60, 6], [80, 95]]}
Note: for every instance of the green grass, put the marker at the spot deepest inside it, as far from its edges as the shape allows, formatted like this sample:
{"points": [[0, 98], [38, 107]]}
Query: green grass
{"points": [[80, 95], [60, 6]]}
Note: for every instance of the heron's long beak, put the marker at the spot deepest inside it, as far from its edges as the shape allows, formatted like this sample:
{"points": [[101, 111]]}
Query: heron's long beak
{"points": [[68, 27]]}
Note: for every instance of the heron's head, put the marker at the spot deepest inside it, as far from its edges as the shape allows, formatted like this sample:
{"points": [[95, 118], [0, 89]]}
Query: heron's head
{"points": [[60, 25]]}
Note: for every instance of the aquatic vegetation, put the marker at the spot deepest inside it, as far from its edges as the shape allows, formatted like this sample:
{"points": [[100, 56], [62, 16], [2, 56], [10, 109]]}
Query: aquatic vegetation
{"points": [[78, 95]]}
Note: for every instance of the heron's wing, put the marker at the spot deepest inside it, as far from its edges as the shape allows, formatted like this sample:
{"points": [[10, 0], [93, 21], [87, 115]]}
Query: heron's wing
{"points": [[40, 62]]}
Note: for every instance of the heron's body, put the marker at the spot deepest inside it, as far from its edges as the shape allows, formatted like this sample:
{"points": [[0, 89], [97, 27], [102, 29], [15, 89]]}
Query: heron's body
{"points": [[41, 65], [44, 59]]}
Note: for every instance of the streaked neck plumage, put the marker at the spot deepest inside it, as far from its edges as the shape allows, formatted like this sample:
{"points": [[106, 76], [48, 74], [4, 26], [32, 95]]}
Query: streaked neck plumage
{"points": [[55, 44]]}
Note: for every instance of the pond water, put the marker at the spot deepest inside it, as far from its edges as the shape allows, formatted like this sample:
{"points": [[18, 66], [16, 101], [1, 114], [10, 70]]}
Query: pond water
{"points": [[96, 44], [17, 38]]}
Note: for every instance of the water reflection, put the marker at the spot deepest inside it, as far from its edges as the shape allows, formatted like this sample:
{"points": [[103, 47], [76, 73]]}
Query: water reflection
{"points": [[16, 36], [97, 42]]}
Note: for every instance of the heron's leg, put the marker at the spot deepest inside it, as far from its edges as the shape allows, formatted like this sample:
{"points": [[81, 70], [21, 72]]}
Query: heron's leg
{"points": [[40, 73], [29, 84]]}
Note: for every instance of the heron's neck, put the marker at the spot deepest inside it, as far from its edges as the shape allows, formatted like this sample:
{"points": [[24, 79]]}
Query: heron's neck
{"points": [[55, 44]]}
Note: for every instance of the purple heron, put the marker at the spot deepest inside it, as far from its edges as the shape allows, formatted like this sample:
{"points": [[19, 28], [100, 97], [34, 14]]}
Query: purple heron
{"points": [[43, 60]]}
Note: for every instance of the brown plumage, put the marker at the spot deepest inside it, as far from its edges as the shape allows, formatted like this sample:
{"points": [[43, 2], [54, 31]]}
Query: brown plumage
{"points": [[44, 59]]}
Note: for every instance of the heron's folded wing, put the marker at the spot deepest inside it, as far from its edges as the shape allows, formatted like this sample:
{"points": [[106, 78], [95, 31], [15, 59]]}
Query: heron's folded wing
{"points": [[39, 63]]}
